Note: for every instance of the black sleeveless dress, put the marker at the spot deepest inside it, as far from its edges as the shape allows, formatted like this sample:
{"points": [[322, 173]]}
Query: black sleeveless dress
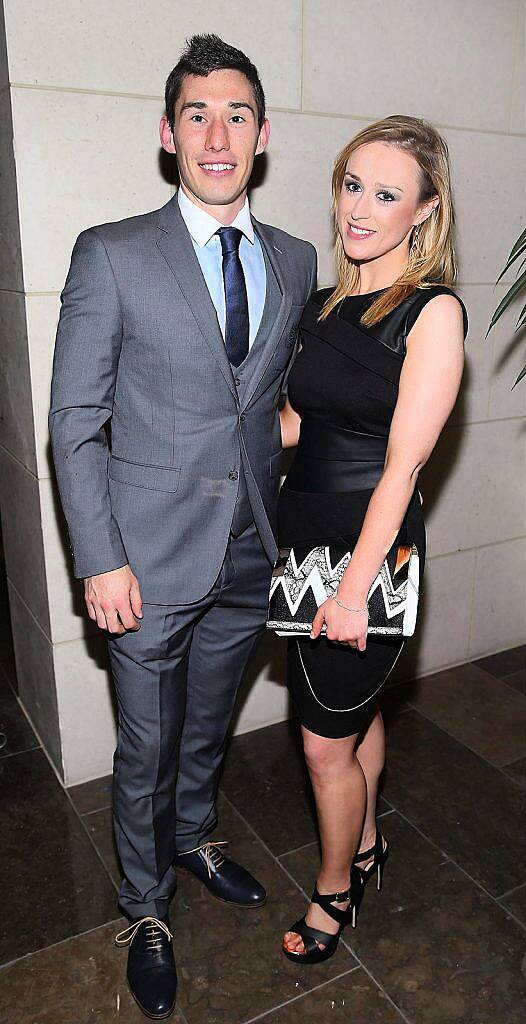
{"points": [[344, 384]]}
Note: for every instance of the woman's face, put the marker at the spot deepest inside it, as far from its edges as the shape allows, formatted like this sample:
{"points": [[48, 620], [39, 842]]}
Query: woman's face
{"points": [[379, 201]]}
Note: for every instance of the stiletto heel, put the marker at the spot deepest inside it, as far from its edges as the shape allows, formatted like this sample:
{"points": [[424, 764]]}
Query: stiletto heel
{"points": [[379, 853], [312, 936]]}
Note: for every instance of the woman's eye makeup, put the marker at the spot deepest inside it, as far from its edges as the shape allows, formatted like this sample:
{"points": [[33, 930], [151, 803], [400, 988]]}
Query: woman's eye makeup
{"points": [[383, 196]]}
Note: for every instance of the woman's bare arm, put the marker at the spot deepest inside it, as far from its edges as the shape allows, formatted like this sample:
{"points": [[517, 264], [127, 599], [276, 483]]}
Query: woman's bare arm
{"points": [[290, 426], [429, 385]]}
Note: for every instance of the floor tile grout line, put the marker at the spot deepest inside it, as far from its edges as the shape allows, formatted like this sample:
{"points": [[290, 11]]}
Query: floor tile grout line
{"points": [[92, 842], [61, 942], [314, 842], [460, 868], [509, 913], [491, 764], [511, 892], [301, 995], [97, 810], [499, 679], [297, 849], [504, 683], [15, 753], [181, 1014], [304, 894], [378, 985]]}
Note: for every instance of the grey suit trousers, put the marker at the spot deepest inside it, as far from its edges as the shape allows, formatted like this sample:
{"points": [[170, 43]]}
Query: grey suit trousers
{"points": [[176, 680]]}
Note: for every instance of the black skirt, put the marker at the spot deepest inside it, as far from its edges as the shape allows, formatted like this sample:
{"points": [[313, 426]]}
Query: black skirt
{"points": [[335, 688]]}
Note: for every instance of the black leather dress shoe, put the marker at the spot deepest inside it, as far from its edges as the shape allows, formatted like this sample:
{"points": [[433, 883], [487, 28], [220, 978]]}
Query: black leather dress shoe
{"points": [[151, 972], [225, 879]]}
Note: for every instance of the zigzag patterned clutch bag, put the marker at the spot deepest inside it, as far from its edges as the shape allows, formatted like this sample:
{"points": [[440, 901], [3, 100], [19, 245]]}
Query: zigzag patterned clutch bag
{"points": [[302, 581]]}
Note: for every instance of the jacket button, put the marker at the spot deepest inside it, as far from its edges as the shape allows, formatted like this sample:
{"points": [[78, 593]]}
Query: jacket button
{"points": [[242, 417], [237, 382], [233, 475]]}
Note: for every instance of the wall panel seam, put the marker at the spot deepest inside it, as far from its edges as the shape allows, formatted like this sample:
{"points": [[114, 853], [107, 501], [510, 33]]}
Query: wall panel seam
{"points": [[498, 419], [302, 43], [21, 464], [476, 547], [30, 612], [271, 109], [472, 605], [87, 92], [516, 51]]}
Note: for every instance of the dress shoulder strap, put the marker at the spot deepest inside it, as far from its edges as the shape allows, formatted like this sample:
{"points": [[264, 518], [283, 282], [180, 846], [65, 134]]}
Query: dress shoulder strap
{"points": [[424, 295]]}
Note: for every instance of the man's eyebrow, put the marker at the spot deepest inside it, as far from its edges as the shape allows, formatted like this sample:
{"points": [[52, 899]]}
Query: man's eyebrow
{"points": [[240, 105], [379, 184], [195, 105]]}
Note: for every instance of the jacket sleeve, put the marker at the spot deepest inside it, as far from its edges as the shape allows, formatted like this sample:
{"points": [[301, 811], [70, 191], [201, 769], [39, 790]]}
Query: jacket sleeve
{"points": [[313, 279], [85, 365]]}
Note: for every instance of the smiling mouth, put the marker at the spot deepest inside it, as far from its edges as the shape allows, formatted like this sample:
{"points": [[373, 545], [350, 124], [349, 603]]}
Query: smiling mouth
{"points": [[217, 168], [359, 232]]}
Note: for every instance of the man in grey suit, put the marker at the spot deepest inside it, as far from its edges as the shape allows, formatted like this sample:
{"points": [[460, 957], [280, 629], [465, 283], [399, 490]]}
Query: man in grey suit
{"points": [[179, 326]]}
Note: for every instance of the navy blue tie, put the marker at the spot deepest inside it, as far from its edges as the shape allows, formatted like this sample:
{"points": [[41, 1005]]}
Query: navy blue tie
{"points": [[237, 323]]}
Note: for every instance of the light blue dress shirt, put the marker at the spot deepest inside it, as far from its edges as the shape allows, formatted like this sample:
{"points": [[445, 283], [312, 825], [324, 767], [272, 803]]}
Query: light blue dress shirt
{"points": [[203, 227]]}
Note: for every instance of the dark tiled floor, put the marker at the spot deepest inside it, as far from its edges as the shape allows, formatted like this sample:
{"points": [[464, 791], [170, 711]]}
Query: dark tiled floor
{"points": [[439, 946], [504, 663], [516, 902], [470, 809], [517, 680], [16, 733], [92, 796], [56, 884], [481, 711], [444, 942]]}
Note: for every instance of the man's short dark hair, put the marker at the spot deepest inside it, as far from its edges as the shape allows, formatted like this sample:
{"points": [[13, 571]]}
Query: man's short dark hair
{"points": [[206, 53]]}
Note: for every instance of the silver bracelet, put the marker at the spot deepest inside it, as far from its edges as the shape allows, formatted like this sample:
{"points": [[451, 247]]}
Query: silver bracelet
{"points": [[347, 608]]}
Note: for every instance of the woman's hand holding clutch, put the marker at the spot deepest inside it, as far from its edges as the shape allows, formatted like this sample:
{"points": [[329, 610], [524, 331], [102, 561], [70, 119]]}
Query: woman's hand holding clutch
{"points": [[344, 625]]}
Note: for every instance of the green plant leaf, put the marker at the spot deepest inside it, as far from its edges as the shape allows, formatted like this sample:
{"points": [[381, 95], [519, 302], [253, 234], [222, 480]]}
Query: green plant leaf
{"points": [[521, 375], [510, 295], [516, 252], [522, 318], [521, 239]]}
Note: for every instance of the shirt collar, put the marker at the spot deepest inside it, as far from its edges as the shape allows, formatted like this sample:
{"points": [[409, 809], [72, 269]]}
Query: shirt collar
{"points": [[202, 226]]}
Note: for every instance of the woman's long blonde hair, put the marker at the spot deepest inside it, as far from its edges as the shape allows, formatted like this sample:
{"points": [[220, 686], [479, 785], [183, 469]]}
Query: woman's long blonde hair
{"points": [[431, 257]]}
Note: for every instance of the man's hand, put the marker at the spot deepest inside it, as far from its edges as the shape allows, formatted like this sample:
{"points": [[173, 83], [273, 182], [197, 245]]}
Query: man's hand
{"points": [[113, 600]]}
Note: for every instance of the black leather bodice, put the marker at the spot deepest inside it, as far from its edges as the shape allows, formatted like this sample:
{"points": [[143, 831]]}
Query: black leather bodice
{"points": [[344, 383]]}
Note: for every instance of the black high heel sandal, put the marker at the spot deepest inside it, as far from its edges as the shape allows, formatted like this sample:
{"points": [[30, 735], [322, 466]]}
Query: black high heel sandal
{"points": [[379, 854], [311, 936]]}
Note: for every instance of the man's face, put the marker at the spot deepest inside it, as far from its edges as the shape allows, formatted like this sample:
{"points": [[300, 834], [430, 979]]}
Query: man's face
{"points": [[215, 139]]}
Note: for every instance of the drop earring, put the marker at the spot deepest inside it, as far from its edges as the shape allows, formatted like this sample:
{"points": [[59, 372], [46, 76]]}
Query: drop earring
{"points": [[413, 251]]}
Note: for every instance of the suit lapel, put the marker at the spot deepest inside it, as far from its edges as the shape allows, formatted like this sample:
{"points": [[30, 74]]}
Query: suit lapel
{"points": [[280, 264], [176, 246]]}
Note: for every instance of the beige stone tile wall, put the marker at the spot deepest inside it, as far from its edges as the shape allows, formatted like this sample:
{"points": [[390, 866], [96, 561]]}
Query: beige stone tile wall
{"points": [[81, 87]]}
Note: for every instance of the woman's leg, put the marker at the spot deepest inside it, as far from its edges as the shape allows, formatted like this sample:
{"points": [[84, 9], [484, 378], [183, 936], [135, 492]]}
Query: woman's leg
{"points": [[370, 752], [340, 791]]}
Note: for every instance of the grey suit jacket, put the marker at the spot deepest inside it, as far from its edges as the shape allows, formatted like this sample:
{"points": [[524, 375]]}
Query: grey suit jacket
{"points": [[139, 345]]}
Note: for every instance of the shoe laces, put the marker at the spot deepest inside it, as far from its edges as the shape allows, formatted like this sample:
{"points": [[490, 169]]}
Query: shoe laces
{"points": [[212, 854], [153, 933]]}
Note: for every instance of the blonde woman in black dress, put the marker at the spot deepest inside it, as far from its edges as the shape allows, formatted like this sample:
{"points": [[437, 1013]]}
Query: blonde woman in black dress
{"points": [[374, 382]]}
